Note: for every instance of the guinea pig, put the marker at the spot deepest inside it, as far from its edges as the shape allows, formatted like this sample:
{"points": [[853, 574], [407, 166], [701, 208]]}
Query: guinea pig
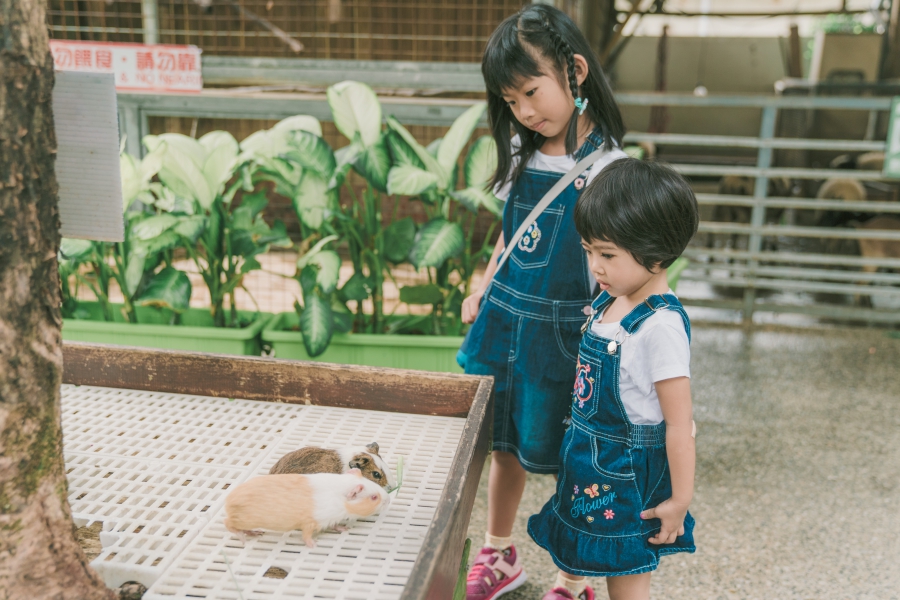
{"points": [[310, 503], [312, 459]]}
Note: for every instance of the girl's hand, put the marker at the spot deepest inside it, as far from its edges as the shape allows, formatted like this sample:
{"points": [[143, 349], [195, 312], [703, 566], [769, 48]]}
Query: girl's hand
{"points": [[470, 307], [672, 517]]}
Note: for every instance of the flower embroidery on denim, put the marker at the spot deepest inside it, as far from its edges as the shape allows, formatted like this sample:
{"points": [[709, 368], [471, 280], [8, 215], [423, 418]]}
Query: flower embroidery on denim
{"points": [[529, 241], [584, 385], [576, 489], [592, 491], [608, 514]]}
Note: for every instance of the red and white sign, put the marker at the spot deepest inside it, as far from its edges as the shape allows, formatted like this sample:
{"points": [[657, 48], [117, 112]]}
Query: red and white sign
{"points": [[158, 68]]}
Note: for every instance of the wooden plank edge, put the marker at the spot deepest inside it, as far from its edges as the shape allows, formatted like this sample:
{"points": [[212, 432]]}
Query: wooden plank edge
{"points": [[269, 379], [436, 569]]}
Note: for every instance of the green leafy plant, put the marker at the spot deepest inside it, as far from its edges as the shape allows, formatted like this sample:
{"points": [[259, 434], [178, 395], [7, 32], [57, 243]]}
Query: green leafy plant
{"points": [[443, 246], [208, 173], [392, 165]]}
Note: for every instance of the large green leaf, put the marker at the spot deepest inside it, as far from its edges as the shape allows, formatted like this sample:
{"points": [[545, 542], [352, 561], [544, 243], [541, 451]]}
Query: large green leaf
{"points": [[170, 288], [190, 227], [269, 143], [427, 159], [134, 272], [344, 157], [221, 160], [312, 200], [328, 265], [398, 240], [357, 288], [475, 198], [187, 146], [421, 294], [186, 179], [374, 163], [481, 162], [131, 180], [356, 110], [673, 273], [167, 240], [151, 163], [408, 180], [72, 249], [458, 136], [312, 152], [316, 324], [434, 146], [299, 123], [152, 226], [437, 241], [401, 152]]}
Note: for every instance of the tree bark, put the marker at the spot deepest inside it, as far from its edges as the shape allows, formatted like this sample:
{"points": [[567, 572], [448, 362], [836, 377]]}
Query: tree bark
{"points": [[39, 557]]}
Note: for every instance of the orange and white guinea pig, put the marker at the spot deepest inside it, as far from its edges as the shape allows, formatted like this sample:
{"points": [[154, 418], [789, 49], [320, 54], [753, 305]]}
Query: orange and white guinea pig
{"points": [[310, 503]]}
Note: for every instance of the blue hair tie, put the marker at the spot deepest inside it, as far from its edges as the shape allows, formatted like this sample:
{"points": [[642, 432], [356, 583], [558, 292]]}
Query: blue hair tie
{"points": [[581, 105]]}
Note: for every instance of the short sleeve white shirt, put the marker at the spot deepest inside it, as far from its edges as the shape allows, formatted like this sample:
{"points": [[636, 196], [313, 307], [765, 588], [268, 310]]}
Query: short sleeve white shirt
{"points": [[556, 164], [659, 350]]}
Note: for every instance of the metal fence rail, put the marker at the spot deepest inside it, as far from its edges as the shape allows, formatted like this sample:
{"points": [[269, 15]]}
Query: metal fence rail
{"points": [[784, 256]]}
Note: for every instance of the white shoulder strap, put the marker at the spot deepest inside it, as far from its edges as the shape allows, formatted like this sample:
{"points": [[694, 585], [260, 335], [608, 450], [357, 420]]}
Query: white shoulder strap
{"points": [[549, 197]]}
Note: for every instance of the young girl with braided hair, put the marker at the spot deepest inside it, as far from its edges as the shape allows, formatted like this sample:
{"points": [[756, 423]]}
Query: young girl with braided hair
{"points": [[549, 107]]}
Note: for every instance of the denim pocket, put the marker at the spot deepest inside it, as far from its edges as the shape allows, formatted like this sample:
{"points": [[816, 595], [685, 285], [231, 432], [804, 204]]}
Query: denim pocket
{"points": [[602, 501], [534, 249], [587, 387]]}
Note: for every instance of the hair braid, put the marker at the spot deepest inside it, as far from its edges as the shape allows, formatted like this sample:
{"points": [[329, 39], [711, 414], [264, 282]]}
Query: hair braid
{"points": [[565, 52]]}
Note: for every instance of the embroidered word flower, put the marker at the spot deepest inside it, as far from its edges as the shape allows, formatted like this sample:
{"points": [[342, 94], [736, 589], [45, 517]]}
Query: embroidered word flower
{"points": [[592, 491], [608, 514]]}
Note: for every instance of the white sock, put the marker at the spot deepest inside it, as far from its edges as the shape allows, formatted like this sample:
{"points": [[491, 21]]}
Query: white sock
{"points": [[497, 542], [576, 586]]}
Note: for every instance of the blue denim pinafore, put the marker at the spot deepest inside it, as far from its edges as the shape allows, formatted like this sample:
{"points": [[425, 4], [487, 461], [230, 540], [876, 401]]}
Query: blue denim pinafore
{"points": [[528, 326], [611, 469]]}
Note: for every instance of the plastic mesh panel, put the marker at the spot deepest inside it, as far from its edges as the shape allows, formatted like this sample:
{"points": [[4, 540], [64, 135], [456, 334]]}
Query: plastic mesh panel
{"points": [[155, 468]]}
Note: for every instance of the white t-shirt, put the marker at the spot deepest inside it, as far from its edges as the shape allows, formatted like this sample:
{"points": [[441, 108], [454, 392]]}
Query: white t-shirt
{"points": [[556, 164], [659, 350]]}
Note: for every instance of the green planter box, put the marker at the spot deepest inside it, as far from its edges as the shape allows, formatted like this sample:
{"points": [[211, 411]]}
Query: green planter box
{"points": [[421, 352], [195, 333]]}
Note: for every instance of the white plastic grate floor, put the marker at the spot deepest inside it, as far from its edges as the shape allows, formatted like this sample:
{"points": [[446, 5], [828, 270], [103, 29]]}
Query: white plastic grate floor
{"points": [[155, 468]]}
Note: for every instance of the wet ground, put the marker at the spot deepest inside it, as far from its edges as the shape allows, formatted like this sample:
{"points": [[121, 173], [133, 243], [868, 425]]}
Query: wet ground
{"points": [[798, 471]]}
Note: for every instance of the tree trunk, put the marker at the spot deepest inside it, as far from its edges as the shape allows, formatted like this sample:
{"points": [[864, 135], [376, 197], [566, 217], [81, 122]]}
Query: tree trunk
{"points": [[39, 557]]}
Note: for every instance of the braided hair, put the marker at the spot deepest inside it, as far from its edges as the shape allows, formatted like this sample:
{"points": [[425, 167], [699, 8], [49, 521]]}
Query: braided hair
{"points": [[512, 56], [564, 52]]}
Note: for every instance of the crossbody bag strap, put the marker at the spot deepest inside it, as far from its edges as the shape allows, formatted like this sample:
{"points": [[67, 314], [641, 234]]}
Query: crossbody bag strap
{"points": [[548, 198]]}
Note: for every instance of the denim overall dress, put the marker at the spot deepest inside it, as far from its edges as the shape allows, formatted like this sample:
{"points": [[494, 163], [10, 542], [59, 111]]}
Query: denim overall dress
{"points": [[611, 469], [528, 326]]}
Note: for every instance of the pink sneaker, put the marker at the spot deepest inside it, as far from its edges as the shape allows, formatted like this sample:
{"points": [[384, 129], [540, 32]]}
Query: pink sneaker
{"points": [[561, 593], [494, 573]]}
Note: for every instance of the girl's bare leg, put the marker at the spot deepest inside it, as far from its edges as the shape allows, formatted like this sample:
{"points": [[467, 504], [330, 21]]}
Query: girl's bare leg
{"points": [[506, 483], [629, 587]]}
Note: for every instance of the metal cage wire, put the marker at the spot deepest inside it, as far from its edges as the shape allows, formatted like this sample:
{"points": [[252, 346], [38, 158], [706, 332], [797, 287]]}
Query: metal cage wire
{"points": [[421, 30]]}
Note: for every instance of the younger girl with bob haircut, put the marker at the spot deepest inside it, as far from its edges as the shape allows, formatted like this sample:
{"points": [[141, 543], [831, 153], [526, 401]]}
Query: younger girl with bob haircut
{"points": [[549, 106], [627, 463]]}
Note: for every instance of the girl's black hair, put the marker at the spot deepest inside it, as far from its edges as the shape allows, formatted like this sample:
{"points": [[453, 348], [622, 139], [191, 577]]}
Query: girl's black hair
{"points": [[511, 56], [645, 208]]}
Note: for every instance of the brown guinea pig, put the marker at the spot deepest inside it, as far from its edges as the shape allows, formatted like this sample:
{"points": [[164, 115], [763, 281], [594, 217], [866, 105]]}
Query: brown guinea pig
{"points": [[312, 459]]}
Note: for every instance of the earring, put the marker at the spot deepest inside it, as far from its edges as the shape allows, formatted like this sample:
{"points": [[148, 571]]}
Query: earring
{"points": [[581, 105]]}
